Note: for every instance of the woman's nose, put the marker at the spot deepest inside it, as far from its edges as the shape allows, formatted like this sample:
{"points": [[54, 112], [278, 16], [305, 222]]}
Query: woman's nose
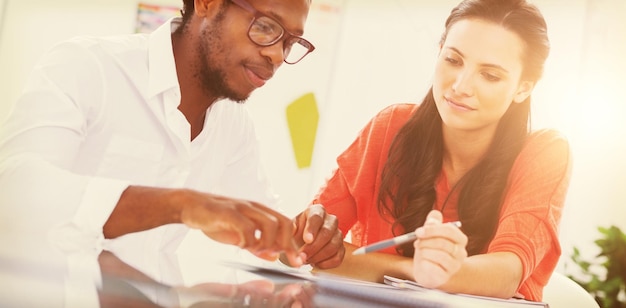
{"points": [[463, 84]]}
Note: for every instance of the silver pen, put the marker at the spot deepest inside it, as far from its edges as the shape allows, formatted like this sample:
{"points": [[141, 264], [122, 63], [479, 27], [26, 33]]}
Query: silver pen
{"points": [[398, 240]]}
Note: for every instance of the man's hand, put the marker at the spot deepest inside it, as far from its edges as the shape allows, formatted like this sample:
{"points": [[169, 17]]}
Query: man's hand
{"points": [[254, 227], [319, 238]]}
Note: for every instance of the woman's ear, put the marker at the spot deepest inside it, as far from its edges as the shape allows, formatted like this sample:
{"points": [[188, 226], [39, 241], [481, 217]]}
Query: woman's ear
{"points": [[523, 91]]}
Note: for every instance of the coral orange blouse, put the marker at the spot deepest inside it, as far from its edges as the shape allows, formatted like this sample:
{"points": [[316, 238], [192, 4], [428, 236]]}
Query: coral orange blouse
{"points": [[530, 214]]}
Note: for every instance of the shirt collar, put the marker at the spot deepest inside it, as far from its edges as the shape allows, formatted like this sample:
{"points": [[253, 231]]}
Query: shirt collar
{"points": [[162, 67]]}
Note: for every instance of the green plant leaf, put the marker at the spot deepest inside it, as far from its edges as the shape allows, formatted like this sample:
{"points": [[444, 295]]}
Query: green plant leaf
{"points": [[612, 257]]}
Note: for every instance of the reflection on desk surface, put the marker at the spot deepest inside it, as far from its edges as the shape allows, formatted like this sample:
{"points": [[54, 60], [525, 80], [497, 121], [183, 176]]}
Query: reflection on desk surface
{"points": [[108, 281], [40, 276]]}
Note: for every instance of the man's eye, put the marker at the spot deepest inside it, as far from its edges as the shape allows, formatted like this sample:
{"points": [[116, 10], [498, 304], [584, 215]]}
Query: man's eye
{"points": [[265, 26]]}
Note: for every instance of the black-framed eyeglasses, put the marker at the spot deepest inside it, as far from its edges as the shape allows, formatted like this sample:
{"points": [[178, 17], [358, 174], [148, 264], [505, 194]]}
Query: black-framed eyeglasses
{"points": [[265, 31]]}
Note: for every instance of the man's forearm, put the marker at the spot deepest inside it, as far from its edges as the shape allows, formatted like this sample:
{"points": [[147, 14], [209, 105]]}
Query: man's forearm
{"points": [[142, 208]]}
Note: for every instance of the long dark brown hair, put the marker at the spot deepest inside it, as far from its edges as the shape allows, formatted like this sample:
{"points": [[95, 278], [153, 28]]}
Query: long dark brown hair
{"points": [[407, 191]]}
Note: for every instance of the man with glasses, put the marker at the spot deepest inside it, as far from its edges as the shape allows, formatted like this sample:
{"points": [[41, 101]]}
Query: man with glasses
{"points": [[130, 141]]}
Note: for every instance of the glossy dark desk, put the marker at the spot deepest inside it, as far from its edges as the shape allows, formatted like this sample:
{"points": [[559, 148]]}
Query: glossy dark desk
{"points": [[34, 274]]}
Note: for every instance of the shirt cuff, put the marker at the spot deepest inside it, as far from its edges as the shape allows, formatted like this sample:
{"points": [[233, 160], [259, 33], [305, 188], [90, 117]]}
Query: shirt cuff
{"points": [[84, 231]]}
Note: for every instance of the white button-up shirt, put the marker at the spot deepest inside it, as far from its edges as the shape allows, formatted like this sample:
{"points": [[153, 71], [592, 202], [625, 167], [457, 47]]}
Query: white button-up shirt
{"points": [[100, 114]]}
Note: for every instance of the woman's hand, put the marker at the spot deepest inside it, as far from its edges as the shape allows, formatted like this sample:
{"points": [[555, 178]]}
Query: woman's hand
{"points": [[319, 238], [439, 251]]}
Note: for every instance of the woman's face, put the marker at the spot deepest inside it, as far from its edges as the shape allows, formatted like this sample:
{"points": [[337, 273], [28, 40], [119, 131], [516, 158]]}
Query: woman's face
{"points": [[478, 75]]}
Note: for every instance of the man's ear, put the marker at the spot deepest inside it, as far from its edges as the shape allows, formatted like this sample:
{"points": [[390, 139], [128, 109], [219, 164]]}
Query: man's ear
{"points": [[204, 8], [523, 91]]}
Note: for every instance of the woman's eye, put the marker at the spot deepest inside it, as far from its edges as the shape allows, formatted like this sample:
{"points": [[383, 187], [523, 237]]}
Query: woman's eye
{"points": [[491, 77], [452, 61]]}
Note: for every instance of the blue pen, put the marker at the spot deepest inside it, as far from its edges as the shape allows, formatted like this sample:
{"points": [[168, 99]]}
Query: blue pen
{"points": [[398, 240]]}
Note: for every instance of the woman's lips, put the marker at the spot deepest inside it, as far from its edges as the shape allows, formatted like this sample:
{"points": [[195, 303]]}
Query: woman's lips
{"points": [[458, 106]]}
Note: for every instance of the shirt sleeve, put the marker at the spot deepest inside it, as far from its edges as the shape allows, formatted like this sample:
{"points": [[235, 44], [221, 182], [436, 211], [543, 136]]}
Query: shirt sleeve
{"points": [[532, 207], [352, 191], [39, 142], [353, 172], [337, 200]]}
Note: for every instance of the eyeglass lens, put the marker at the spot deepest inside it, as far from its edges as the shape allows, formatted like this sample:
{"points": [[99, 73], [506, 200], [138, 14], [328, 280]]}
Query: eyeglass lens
{"points": [[265, 31]]}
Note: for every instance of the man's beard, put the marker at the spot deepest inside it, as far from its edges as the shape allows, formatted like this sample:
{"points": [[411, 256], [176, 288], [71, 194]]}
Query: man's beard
{"points": [[213, 79]]}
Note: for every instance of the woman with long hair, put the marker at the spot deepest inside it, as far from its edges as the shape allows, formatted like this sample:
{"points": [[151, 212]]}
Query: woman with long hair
{"points": [[465, 153]]}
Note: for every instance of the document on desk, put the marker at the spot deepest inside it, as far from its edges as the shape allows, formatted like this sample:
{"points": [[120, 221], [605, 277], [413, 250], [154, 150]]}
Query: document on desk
{"points": [[273, 269], [465, 299], [393, 292], [278, 269], [379, 294]]}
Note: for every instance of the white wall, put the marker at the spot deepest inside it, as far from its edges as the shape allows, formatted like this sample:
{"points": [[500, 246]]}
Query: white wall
{"points": [[2, 3], [582, 94], [372, 53]]}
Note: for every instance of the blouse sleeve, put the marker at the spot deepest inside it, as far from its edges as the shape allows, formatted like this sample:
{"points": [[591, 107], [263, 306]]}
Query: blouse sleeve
{"points": [[352, 190], [533, 205]]}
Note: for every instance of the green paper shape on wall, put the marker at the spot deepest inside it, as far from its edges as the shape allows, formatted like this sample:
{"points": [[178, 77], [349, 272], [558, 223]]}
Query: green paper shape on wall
{"points": [[302, 119]]}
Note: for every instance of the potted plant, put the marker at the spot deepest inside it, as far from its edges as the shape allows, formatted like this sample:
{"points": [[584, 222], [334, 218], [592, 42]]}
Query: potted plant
{"points": [[608, 288]]}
